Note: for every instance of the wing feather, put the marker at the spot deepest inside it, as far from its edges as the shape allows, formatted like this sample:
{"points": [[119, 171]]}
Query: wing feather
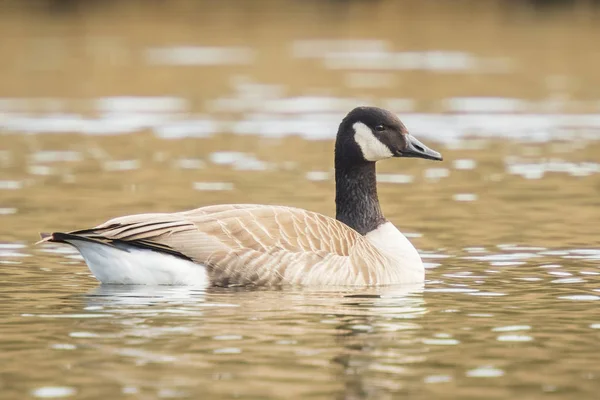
{"points": [[251, 244]]}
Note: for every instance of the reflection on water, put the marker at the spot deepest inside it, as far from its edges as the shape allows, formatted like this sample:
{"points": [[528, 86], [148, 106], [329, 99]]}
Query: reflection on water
{"points": [[482, 326], [312, 118], [104, 115]]}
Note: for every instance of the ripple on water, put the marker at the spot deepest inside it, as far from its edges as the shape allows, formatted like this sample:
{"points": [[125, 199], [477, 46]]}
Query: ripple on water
{"points": [[554, 253], [568, 280], [437, 173], [441, 342], [121, 165], [464, 197], [189, 163], [11, 250], [462, 275], [227, 350], [394, 178], [529, 279], [451, 290], [464, 164], [537, 170], [172, 393], [11, 185], [317, 176], [130, 390], [189, 128], [75, 316], [437, 379], [11, 246], [123, 114], [481, 315], [212, 186], [52, 392], [47, 156], [475, 250], [587, 252], [140, 104], [286, 342], [40, 170], [514, 247], [199, 55], [549, 266], [514, 338], [433, 255], [504, 259], [560, 273], [57, 249], [63, 346], [580, 297], [583, 254], [238, 161], [511, 328], [227, 337], [487, 294], [485, 372], [83, 335], [506, 263]]}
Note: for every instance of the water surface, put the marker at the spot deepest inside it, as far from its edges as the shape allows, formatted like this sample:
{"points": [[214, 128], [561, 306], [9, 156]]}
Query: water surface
{"points": [[120, 108], [510, 304]]}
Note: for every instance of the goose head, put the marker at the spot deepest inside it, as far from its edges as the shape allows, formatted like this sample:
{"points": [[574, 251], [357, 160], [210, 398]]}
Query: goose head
{"points": [[370, 134]]}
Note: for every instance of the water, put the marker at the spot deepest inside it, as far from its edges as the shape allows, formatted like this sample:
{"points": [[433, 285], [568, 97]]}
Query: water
{"points": [[177, 114], [489, 334], [510, 304]]}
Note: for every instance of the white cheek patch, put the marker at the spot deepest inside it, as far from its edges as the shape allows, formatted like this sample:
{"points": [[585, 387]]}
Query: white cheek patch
{"points": [[371, 147]]}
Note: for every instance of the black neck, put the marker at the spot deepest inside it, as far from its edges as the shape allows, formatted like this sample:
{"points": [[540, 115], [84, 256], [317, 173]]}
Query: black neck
{"points": [[357, 204]]}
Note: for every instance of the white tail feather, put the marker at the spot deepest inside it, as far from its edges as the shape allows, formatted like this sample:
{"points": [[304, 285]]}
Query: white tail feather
{"points": [[136, 266]]}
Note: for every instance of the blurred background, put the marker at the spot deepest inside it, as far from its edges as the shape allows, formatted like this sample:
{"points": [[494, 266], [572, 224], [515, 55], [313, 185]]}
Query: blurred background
{"points": [[115, 107], [141, 104]]}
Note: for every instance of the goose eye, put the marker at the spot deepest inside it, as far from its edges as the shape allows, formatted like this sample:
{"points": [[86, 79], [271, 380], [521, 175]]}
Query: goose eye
{"points": [[379, 128]]}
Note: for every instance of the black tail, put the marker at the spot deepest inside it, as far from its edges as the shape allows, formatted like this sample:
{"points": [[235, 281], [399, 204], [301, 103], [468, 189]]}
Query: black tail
{"points": [[62, 237]]}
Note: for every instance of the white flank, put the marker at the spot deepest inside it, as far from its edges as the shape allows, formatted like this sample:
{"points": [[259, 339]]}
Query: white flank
{"points": [[135, 266], [392, 243], [371, 147]]}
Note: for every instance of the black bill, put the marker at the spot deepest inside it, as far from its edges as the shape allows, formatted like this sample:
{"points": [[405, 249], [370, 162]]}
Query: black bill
{"points": [[414, 148]]}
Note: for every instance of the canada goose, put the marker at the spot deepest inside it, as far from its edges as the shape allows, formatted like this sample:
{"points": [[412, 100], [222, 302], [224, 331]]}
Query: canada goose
{"points": [[263, 245]]}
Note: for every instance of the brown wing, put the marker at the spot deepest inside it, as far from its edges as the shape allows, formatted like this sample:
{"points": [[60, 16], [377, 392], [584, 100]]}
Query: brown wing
{"points": [[249, 244]]}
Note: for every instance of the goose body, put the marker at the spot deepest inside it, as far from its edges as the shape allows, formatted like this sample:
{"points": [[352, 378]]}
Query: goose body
{"points": [[262, 245]]}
